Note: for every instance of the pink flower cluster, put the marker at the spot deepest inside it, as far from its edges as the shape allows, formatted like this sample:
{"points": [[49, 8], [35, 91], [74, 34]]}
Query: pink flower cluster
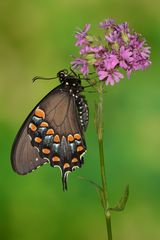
{"points": [[119, 49]]}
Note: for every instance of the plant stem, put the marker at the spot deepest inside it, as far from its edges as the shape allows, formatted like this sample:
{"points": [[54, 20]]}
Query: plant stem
{"points": [[104, 188], [104, 194]]}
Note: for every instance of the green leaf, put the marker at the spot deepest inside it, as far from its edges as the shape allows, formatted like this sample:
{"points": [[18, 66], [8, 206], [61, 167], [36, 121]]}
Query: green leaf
{"points": [[125, 37], [116, 46], [90, 38], [91, 182], [91, 61], [98, 189], [122, 202], [89, 56]]}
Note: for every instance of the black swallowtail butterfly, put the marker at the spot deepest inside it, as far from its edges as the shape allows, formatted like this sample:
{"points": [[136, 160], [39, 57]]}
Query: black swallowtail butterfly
{"points": [[54, 130]]}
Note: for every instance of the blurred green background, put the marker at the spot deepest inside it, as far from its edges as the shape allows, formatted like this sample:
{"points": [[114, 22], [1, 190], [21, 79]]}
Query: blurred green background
{"points": [[36, 38]]}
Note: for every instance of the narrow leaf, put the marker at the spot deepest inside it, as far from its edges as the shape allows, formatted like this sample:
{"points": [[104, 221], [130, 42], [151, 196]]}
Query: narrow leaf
{"points": [[91, 182], [122, 202], [98, 189]]}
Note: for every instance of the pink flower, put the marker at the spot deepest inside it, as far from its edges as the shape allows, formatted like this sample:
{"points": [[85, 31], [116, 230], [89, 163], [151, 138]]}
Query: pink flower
{"points": [[111, 77], [120, 48], [90, 49], [84, 69], [82, 64], [125, 57], [107, 70], [107, 23], [112, 37], [123, 27], [81, 36], [114, 77], [85, 49], [111, 61]]}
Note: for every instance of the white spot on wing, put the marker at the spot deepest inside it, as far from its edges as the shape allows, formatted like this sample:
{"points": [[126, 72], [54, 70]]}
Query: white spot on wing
{"points": [[58, 167], [36, 148], [74, 167], [29, 137], [82, 154], [46, 159], [66, 174]]}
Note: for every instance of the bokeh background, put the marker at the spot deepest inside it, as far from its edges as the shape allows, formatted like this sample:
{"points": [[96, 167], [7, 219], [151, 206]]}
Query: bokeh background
{"points": [[36, 38]]}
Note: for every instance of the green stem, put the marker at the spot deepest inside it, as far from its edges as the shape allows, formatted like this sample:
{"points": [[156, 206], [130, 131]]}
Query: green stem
{"points": [[99, 126], [109, 226], [103, 175]]}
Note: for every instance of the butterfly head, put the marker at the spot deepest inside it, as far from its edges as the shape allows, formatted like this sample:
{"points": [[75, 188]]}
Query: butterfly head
{"points": [[62, 75], [70, 80]]}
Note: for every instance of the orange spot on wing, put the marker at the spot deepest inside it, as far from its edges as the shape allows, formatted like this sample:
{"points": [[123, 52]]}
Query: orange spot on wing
{"points": [[70, 138], [66, 165], [32, 127], [39, 113], [56, 139], [74, 160], [38, 139], [77, 136], [45, 150], [56, 159], [50, 131], [44, 124], [80, 149]]}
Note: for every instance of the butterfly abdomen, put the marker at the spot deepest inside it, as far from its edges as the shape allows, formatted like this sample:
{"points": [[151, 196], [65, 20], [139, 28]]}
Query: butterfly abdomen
{"points": [[83, 112]]}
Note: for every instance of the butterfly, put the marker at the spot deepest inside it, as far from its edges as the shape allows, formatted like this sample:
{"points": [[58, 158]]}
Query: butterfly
{"points": [[54, 130]]}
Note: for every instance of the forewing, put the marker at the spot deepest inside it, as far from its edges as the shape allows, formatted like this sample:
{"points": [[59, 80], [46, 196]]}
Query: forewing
{"points": [[25, 157]]}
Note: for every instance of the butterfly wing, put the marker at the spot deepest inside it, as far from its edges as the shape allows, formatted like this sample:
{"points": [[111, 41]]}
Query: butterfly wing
{"points": [[24, 157], [56, 136]]}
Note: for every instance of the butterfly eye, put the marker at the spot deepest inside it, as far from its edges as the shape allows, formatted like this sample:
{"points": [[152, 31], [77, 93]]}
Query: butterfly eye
{"points": [[62, 74]]}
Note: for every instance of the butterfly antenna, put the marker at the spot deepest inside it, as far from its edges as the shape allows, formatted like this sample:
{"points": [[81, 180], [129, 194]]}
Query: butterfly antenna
{"points": [[42, 78], [72, 71], [90, 73]]}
